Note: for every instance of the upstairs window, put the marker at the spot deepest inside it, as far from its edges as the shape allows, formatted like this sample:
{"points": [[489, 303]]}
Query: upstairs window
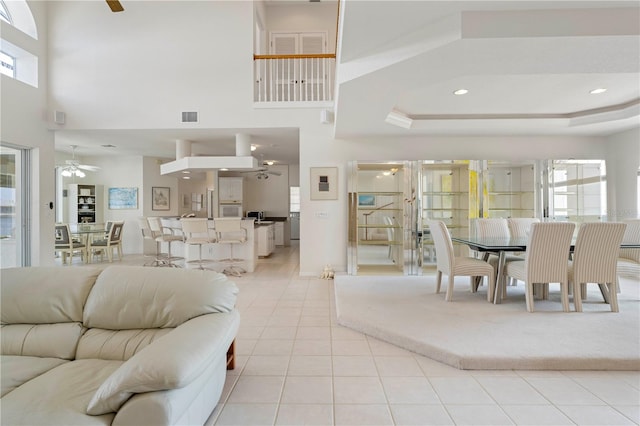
{"points": [[7, 65], [4, 13]]}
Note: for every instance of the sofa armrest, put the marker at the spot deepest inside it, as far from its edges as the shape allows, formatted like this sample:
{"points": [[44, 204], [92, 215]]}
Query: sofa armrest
{"points": [[171, 362]]}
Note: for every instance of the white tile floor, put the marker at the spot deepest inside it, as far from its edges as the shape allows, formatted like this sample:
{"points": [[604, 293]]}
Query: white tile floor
{"points": [[297, 366]]}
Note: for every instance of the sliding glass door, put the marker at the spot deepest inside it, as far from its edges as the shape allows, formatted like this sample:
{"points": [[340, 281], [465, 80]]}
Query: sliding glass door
{"points": [[14, 207]]}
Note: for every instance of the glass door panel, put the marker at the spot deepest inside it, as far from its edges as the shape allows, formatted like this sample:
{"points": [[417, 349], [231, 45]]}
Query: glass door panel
{"points": [[577, 190]]}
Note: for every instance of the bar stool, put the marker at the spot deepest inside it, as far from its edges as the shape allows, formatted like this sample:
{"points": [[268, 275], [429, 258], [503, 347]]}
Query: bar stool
{"points": [[162, 237], [148, 234], [196, 232], [229, 231]]}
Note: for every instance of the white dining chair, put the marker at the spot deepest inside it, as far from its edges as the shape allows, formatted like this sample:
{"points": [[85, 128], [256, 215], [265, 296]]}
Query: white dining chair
{"points": [[448, 263], [519, 226], [595, 261], [495, 228], [108, 244], [546, 260], [629, 258], [66, 245]]}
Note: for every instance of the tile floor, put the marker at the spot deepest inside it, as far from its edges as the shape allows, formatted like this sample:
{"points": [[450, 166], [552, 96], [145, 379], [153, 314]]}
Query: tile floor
{"points": [[297, 366]]}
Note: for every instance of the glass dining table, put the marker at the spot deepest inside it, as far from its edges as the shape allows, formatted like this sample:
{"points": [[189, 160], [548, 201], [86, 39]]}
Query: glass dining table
{"points": [[502, 246], [86, 231]]}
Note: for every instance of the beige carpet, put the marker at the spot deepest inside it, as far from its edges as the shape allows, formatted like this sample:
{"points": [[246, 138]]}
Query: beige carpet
{"points": [[470, 333]]}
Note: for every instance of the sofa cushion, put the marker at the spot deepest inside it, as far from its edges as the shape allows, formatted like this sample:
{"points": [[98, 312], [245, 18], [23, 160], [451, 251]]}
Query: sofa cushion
{"points": [[173, 361], [136, 297], [45, 294], [59, 396], [17, 370], [43, 340], [119, 345]]}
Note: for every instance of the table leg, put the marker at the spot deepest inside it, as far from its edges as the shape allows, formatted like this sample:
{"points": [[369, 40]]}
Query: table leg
{"points": [[500, 279]]}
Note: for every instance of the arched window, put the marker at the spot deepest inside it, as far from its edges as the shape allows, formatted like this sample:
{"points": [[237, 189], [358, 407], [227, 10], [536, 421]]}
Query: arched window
{"points": [[4, 13]]}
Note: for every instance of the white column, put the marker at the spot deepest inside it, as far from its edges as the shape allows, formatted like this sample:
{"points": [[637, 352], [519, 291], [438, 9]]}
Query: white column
{"points": [[183, 148], [243, 145]]}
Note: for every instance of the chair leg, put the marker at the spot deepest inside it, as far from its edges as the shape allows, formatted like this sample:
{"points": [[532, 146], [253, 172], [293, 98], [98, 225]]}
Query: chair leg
{"points": [[438, 281], [492, 288], [613, 296], [449, 296], [529, 296], [577, 296], [564, 294]]}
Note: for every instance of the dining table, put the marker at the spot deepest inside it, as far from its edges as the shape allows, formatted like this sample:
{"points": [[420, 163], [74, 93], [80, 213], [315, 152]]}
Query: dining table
{"points": [[500, 246], [86, 231]]}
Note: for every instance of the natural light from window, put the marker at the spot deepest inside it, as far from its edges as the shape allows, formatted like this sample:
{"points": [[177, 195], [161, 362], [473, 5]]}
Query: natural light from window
{"points": [[4, 12], [7, 65]]}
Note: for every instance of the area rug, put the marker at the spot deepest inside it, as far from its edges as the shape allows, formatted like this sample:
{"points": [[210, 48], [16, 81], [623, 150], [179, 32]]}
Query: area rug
{"points": [[470, 333]]}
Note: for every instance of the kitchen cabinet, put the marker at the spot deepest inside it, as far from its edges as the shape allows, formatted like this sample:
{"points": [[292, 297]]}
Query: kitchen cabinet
{"points": [[230, 190], [86, 203], [279, 233], [266, 239]]}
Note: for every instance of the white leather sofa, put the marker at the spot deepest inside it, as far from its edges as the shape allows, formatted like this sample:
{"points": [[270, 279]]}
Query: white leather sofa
{"points": [[127, 345]]}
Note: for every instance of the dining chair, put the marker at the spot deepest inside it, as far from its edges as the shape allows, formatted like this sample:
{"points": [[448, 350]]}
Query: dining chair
{"points": [[388, 221], [113, 241], [66, 245], [196, 233], [519, 226], [595, 261], [495, 228], [229, 230], [165, 235], [448, 263], [629, 258], [546, 260]]}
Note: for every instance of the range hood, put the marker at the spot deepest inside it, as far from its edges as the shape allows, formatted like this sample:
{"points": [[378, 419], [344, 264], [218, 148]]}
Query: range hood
{"points": [[186, 163]]}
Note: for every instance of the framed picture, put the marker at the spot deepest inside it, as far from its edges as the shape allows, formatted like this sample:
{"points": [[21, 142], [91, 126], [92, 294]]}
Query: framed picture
{"points": [[366, 200], [324, 183], [160, 198], [123, 198]]}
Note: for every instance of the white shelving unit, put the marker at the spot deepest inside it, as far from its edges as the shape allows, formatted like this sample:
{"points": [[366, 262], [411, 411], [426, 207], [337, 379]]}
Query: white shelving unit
{"points": [[86, 203]]}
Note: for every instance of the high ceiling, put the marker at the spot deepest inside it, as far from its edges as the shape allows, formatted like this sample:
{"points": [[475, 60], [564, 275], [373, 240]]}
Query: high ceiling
{"points": [[528, 67]]}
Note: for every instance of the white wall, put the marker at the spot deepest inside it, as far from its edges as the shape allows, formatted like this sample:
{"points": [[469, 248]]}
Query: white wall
{"points": [[623, 163], [270, 195], [23, 121], [320, 16], [110, 71]]}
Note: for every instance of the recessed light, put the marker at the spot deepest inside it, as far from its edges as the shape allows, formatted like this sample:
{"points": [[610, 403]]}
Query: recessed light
{"points": [[253, 147], [186, 171], [224, 169], [461, 92], [598, 91], [269, 163], [186, 177]]}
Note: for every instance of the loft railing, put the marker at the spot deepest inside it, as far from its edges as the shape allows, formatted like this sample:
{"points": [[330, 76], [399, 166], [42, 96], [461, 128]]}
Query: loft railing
{"points": [[294, 78]]}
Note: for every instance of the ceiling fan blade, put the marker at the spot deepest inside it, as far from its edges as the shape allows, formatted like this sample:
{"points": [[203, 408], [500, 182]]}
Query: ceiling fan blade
{"points": [[273, 173], [115, 5], [87, 167]]}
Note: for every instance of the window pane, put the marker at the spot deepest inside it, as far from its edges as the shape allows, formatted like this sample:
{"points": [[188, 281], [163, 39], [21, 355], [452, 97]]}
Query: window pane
{"points": [[4, 12], [10, 229], [294, 199], [7, 65]]}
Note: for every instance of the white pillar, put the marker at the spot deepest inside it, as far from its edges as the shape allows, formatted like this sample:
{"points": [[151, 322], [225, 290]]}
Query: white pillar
{"points": [[183, 148], [243, 145]]}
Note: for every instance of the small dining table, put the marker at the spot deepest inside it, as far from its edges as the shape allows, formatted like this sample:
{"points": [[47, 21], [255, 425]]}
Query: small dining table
{"points": [[502, 246], [87, 230]]}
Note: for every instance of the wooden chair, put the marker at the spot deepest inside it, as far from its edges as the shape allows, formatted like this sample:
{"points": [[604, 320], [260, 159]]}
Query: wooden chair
{"points": [[595, 261], [453, 266], [546, 260], [66, 245], [113, 241]]}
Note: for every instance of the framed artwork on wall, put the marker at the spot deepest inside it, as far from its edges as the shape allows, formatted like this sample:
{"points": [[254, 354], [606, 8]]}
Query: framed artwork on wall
{"points": [[160, 198], [123, 198], [366, 200], [324, 183]]}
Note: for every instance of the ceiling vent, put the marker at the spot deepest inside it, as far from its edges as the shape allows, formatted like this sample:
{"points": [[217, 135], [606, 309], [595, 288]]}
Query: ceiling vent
{"points": [[189, 116]]}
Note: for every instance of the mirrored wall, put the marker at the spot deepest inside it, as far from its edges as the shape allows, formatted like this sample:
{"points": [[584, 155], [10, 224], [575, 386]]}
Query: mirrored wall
{"points": [[390, 202]]}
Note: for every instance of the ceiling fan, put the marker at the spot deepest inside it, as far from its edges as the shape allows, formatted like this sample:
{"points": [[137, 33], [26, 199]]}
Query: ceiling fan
{"points": [[264, 172], [74, 168], [115, 5]]}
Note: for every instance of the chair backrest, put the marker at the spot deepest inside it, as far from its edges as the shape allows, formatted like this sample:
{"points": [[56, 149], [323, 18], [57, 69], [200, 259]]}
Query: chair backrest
{"points": [[145, 228], [63, 236], [195, 227], [115, 233], [631, 235], [595, 257], [548, 247], [155, 223], [519, 226], [494, 227], [444, 246]]}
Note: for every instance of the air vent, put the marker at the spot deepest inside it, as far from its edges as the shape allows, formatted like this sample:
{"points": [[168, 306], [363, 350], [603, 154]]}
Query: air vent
{"points": [[189, 116]]}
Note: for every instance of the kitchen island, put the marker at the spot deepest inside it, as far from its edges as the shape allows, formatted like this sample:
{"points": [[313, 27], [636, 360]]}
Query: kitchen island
{"points": [[214, 251]]}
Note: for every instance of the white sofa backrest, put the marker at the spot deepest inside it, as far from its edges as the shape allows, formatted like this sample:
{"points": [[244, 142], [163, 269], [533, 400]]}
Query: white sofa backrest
{"points": [[131, 306], [41, 310]]}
